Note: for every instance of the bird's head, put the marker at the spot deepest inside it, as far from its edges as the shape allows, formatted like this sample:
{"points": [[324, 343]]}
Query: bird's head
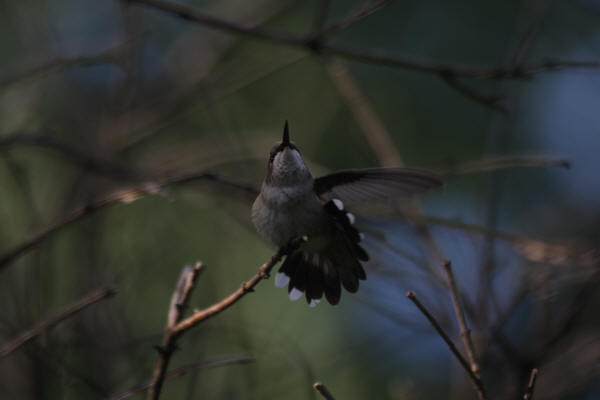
{"points": [[286, 167]]}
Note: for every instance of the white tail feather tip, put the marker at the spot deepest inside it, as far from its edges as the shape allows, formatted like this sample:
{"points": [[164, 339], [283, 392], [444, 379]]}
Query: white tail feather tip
{"points": [[295, 294], [338, 203], [350, 217], [281, 280], [314, 302]]}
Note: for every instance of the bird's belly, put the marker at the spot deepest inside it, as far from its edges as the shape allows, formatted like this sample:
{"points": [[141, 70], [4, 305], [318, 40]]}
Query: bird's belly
{"points": [[285, 222]]}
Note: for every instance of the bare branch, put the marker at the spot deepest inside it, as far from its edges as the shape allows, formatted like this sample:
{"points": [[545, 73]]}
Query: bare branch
{"points": [[110, 56], [74, 155], [320, 387], [375, 133], [534, 13], [383, 57], [492, 101], [491, 164], [320, 17], [474, 378], [192, 14], [75, 215], [372, 56], [355, 15], [182, 292], [478, 229], [186, 369], [51, 322], [176, 328], [125, 195], [179, 300], [246, 287], [530, 386], [460, 315]]}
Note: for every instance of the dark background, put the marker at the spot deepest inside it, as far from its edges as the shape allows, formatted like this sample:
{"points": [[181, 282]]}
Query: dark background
{"points": [[97, 96]]}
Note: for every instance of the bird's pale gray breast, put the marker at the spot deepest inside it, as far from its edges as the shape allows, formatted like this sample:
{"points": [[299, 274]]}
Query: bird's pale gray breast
{"points": [[283, 213]]}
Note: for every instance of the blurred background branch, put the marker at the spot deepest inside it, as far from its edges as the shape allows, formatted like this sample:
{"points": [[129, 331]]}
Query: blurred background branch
{"points": [[51, 322], [323, 391], [463, 362], [182, 371], [447, 72]]}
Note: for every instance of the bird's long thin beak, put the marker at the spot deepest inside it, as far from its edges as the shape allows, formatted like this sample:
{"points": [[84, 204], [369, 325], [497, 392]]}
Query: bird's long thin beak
{"points": [[286, 135]]}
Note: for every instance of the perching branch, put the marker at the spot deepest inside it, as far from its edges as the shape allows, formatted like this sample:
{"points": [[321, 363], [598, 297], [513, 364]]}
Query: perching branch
{"points": [[176, 327], [183, 371], [474, 378], [51, 322], [320, 387], [246, 287]]}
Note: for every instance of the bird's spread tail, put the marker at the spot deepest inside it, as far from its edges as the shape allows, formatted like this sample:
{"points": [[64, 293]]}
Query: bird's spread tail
{"points": [[315, 274]]}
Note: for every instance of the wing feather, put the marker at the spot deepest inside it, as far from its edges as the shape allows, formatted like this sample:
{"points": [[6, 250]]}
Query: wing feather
{"points": [[375, 184]]}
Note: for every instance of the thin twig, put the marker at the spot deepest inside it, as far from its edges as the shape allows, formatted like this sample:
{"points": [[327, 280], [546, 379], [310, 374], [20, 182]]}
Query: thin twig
{"points": [[534, 14], [381, 143], [490, 164], [179, 300], [492, 101], [320, 17], [372, 56], [75, 215], [365, 116], [460, 315], [109, 56], [463, 362], [383, 57], [531, 385], [125, 195], [355, 15], [193, 14], [566, 322], [51, 322], [71, 153], [181, 294], [320, 387], [181, 371]]}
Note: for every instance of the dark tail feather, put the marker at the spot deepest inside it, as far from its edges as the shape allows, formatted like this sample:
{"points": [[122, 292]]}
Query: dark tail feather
{"points": [[331, 284], [318, 274], [314, 285], [315, 274]]}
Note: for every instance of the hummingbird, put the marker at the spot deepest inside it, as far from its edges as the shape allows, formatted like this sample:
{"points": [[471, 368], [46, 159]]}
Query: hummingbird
{"points": [[292, 204]]}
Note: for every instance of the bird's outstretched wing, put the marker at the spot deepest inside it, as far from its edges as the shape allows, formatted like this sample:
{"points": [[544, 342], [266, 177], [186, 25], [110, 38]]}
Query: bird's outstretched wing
{"points": [[375, 184]]}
